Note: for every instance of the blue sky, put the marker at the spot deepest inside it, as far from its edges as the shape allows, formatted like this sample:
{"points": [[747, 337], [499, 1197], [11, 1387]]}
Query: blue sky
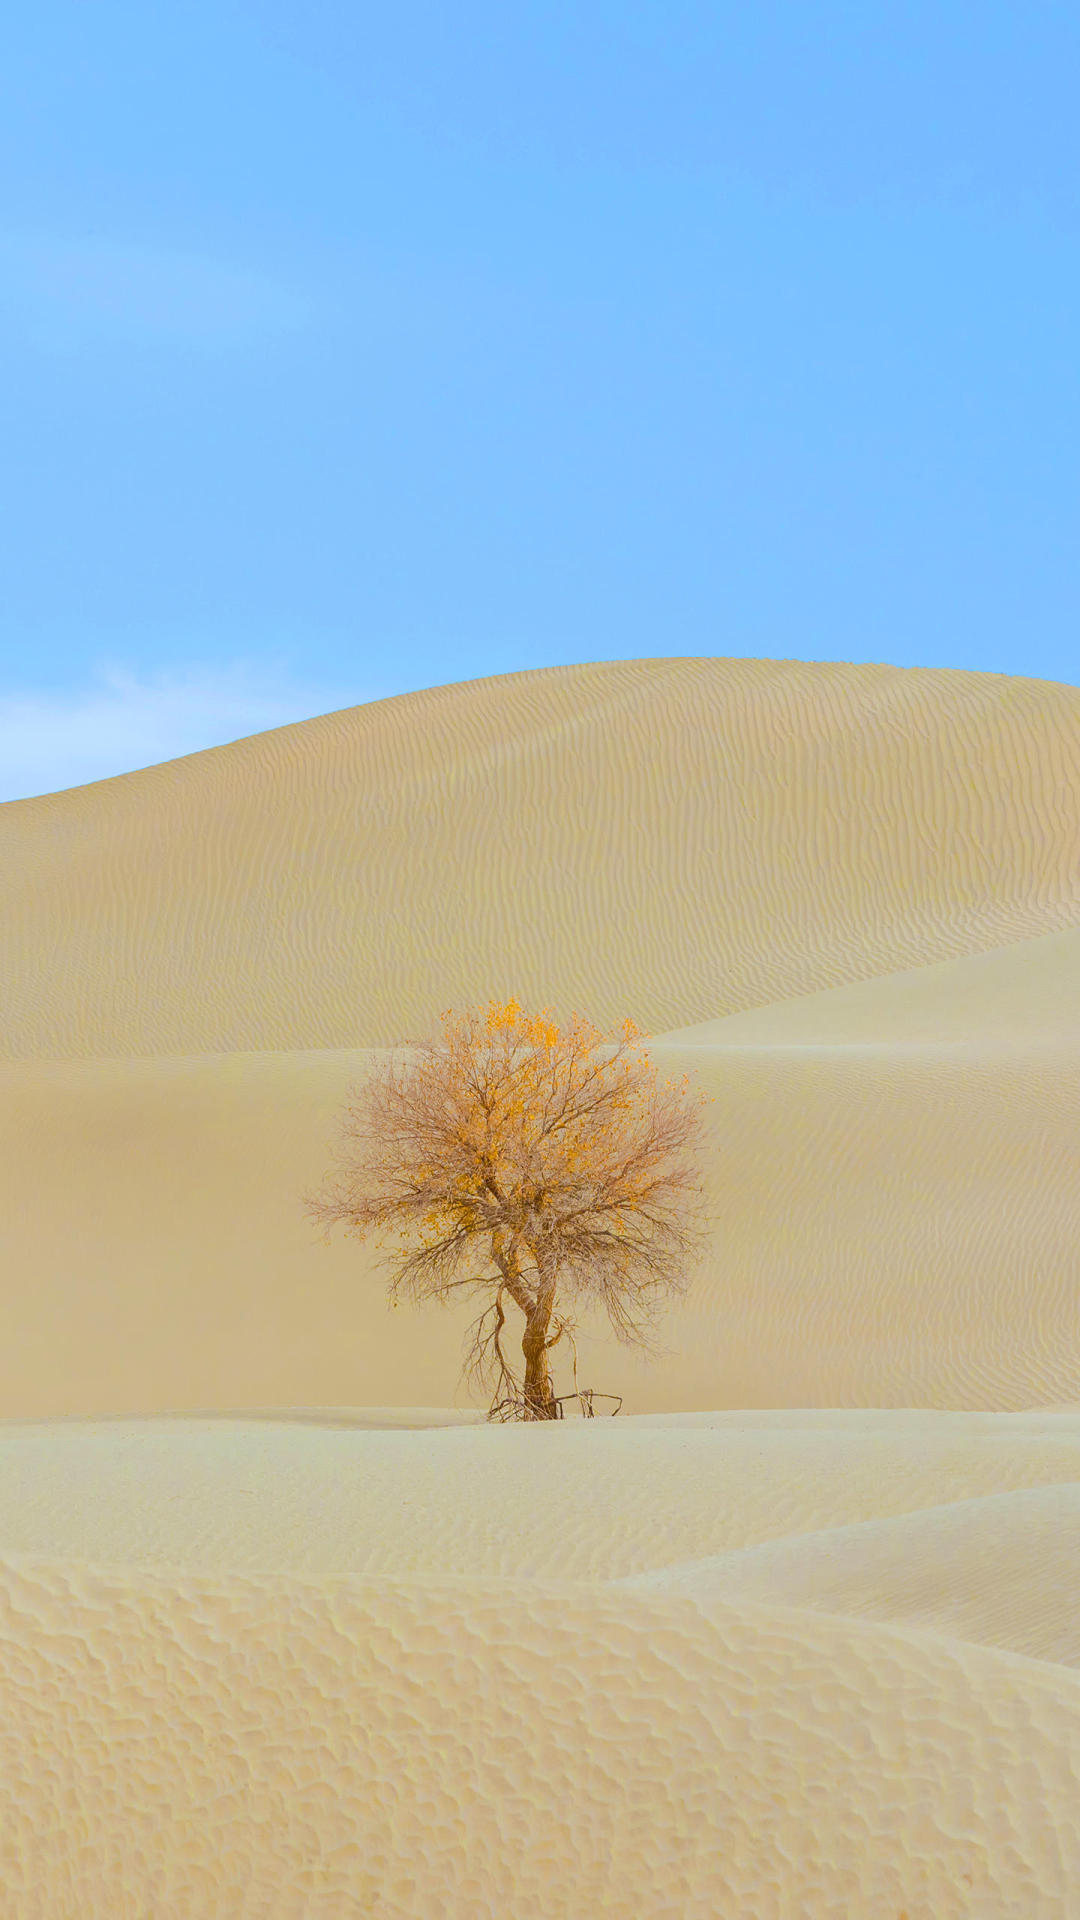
{"points": [[352, 349]]}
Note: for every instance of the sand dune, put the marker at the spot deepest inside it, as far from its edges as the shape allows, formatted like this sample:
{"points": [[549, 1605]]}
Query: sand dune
{"points": [[365, 1687], [963, 1570], [267, 1746], [893, 1226], [795, 1637], [602, 1500], [676, 839], [1025, 996]]}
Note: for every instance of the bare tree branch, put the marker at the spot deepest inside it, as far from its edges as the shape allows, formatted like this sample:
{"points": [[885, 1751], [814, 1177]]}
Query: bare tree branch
{"points": [[546, 1162]]}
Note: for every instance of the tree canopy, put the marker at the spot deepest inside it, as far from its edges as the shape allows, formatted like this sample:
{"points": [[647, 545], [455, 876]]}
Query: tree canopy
{"points": [[551, 1162]]}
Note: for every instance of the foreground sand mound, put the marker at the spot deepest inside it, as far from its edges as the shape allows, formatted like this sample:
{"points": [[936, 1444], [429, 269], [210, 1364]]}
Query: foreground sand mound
{"points": [[462, 1706], [964, 1570], [265, 1747], [602, 1500]]}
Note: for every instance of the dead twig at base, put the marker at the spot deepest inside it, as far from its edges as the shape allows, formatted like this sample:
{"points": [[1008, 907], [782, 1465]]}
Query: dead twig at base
{"points": [[515, 1409]]}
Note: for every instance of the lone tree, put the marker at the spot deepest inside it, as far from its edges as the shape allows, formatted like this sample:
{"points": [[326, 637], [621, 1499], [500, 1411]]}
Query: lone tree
{"points": [[550, 1158]]}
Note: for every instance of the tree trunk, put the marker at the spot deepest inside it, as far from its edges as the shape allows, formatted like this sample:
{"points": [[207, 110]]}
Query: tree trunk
{"points": [[539, 1399]]}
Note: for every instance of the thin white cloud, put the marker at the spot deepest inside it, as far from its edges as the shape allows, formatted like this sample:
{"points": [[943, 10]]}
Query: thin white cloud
{"points": [[81, 292], [50, 740]]}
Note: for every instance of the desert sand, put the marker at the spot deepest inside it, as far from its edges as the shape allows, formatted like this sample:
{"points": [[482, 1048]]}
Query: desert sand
{"points": [[287, 1629]]}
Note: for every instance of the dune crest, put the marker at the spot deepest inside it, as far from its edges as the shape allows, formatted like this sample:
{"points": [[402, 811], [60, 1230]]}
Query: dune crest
{"points": [[676, 839]]}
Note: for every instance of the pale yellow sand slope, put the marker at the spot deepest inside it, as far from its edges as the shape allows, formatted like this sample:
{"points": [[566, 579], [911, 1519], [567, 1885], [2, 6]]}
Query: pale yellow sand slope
{"points": [[1002, 1569], [894, 1224], [1022, 996], [891, 1157], [774, 1662], [600, 1500], [676, 839], [312, 1673]]}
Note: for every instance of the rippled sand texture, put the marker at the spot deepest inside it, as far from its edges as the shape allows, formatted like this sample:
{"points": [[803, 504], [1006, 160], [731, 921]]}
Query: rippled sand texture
{"points": [[637, 1670], [849, 895], [814, 1657], [680, 838]]}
